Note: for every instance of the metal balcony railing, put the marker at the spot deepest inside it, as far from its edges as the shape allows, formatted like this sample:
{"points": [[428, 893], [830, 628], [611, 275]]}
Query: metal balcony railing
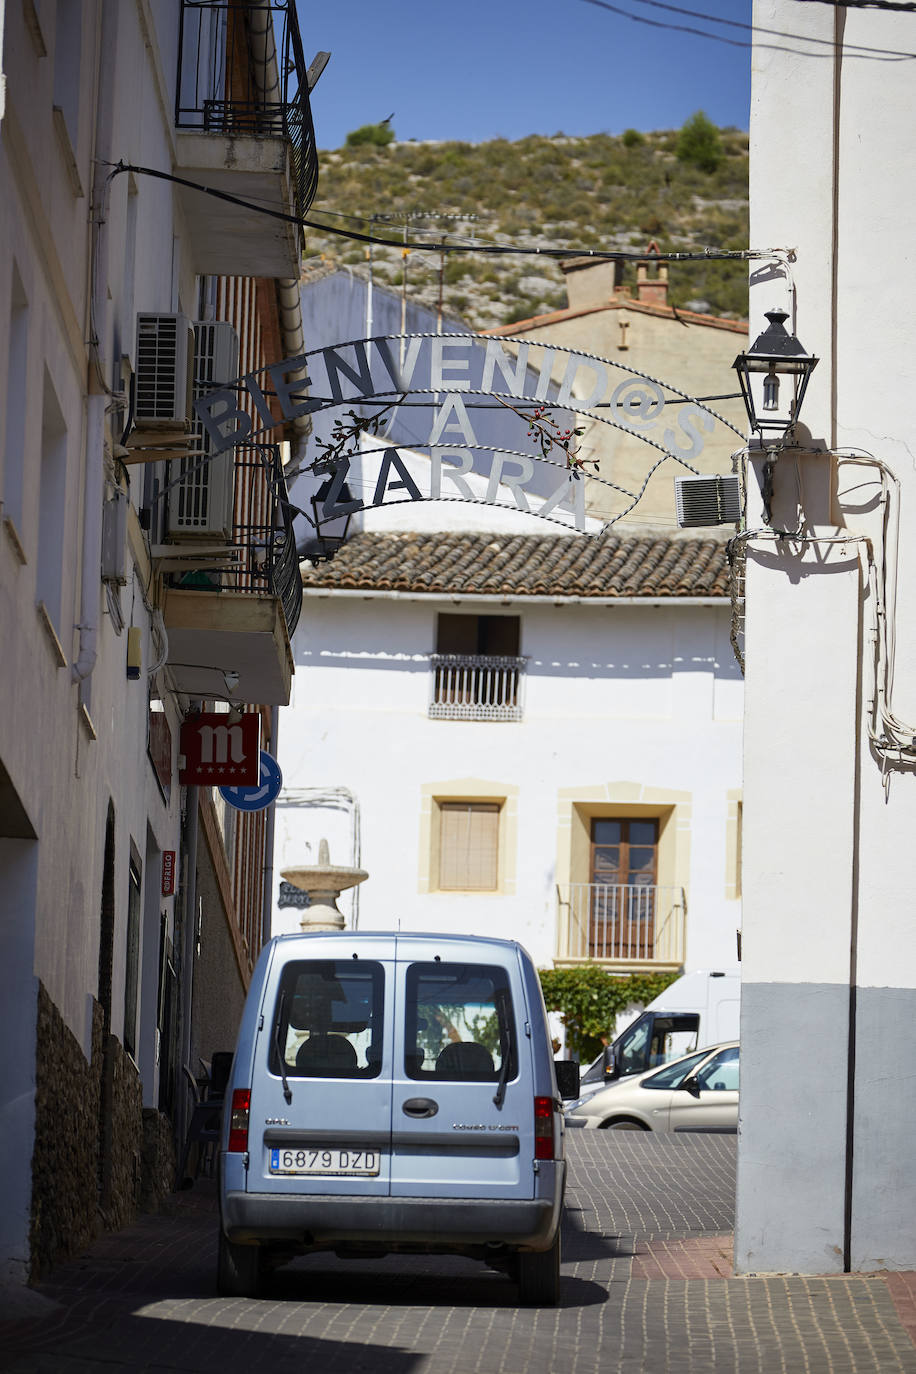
{"points": [[622, 923], [476, 687], [261, 558], [241, 71]]}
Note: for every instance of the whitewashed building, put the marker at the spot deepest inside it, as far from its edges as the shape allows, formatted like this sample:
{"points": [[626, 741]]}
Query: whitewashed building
{"points": [[524, 734], [517, 724], [826, 1183], [136, 577]]}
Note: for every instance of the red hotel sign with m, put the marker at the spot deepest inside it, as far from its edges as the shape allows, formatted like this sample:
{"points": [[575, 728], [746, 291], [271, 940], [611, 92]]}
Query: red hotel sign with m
{"points": [[219, 751]]}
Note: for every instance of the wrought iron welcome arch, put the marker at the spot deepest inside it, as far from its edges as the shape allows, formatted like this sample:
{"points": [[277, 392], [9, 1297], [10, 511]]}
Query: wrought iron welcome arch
{"points": [[459, 376]]}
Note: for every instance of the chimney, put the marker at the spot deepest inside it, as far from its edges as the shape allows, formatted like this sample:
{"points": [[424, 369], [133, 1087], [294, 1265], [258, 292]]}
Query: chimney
{"points": [[590, 281], [652, 290]]}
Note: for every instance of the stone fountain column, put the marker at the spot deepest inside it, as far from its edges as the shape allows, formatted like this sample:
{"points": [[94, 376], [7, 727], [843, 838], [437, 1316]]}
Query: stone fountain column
{"points": [[324, 883]]}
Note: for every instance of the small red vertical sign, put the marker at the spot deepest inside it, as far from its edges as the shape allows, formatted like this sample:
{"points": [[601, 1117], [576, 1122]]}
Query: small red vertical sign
{"points": [[168, 872]]}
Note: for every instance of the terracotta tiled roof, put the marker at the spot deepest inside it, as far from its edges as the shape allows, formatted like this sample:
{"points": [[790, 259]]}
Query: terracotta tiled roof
{"points": [[664, 312], [525, 565]]}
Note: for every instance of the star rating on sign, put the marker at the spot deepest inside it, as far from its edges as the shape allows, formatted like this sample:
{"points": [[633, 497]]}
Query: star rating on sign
{"points": [[214, 748]]}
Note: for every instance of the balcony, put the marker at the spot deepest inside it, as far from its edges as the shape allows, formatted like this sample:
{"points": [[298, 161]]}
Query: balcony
{"points": [[244, 127], [231, 608], [622, 925], [476, 687]]}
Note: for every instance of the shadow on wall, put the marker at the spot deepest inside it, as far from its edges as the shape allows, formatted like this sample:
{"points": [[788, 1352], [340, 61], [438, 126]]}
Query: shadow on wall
{"points": [[570, 668]]}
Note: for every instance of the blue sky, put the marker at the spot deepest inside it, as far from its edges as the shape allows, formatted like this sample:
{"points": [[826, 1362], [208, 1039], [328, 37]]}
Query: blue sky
{"points": [[484, 69]]}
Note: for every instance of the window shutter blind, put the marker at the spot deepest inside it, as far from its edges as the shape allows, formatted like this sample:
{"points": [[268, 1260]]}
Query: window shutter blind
{"points": [[469, 845]]}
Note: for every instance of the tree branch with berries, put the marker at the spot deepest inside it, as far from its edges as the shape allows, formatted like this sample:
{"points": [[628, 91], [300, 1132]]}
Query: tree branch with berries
{"points": [[344, 440], [549, 436]]}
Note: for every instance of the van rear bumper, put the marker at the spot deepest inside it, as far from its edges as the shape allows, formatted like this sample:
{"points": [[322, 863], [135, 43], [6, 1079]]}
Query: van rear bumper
{"points": [[323, 1221]]}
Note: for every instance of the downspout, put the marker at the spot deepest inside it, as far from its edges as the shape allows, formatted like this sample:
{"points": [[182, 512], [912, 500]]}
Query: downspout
{"points": [[188, 942], [289, 301], [97, 386], [267, 899], [2, 72], [839, 26], [90, 579]]}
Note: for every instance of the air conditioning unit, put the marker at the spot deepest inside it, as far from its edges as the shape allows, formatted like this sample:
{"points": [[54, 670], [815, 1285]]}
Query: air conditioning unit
{"points": [[200, 505], [165, 359], [702, 501]]}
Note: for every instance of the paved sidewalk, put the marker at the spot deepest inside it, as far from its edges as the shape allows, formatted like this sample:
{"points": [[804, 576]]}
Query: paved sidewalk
{"points": [[648, 1289]]}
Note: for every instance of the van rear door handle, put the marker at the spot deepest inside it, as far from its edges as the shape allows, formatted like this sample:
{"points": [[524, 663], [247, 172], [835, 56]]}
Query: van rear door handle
{"points": [[420, 1106]]}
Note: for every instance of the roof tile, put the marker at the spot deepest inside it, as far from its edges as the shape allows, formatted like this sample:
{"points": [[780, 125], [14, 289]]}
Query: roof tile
{"points": [[525, 565]]}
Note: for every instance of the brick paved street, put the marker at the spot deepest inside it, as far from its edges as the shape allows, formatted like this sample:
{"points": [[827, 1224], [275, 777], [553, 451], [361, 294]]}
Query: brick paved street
{"points": [[647, 1290]]}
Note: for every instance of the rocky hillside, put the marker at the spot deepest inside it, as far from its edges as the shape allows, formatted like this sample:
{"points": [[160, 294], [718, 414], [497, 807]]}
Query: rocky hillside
{"points": [[597, 192]]}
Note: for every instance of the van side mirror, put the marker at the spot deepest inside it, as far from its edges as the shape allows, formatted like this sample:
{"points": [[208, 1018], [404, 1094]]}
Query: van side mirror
{"points": [[610, 1063], [691, 1085], [567, 1071]]}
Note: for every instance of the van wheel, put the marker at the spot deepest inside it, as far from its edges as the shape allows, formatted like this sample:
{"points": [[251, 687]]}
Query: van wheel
{"points": [[623, 1126], [238, 1269], [539, 1276]]}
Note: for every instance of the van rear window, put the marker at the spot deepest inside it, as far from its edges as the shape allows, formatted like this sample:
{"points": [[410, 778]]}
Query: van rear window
{"points": [[459, 1023], [327, 1019]]}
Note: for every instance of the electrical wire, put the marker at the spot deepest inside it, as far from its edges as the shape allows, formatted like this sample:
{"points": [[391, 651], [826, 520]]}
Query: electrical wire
{"points": [[848, 48], [892, 738], [853, 50], [896, 6], [158, 626], [496, 249], [888, 733]]}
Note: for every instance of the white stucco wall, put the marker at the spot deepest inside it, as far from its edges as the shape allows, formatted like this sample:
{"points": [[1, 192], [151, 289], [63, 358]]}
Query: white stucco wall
{"points": [[67, 750], [829, 943], [65, 763], [637, 697]]}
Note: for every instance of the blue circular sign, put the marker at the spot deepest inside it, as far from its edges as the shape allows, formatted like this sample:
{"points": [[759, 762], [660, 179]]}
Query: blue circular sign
{"points": [[261, 794]]}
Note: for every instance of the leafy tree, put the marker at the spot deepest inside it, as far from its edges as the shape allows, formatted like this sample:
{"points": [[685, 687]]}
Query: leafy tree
{"points": [[632, 138], [589, 998], [377, 135], [700, 143]]}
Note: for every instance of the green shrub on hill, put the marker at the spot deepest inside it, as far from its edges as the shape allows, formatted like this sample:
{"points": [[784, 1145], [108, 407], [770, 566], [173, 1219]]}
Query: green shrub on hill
{"points": [[602, 191], [699, 143], [377, 135]]}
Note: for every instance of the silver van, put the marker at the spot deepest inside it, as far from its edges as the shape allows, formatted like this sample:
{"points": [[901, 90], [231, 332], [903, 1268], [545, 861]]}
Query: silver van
{"points": [[394, 1092]]}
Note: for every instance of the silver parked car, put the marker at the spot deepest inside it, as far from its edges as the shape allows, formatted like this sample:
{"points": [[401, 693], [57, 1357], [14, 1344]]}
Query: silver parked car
{"points": [[698, 1092]]}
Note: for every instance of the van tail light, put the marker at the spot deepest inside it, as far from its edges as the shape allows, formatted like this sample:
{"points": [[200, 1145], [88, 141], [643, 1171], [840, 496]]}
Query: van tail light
{"points": [[238, 1121], [543, 1128]]}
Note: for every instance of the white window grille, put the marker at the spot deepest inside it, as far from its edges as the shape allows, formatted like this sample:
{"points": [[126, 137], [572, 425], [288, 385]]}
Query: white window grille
{"points": [[476, 687]]}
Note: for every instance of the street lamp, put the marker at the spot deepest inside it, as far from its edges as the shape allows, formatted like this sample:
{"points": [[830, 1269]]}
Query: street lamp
{"points": [[773, 409]]}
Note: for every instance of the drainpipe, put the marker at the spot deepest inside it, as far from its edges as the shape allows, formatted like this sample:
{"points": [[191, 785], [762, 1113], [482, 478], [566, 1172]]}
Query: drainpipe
{"points": [[94, 488], [289, 301], [188, 942], [267, 899], [90, 579]]}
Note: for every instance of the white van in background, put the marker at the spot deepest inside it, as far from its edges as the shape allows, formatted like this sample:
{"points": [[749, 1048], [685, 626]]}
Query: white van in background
{"points": [[700, 1008]]}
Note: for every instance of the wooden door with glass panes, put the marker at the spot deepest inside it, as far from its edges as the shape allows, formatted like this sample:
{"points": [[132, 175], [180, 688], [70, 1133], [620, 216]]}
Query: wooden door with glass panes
{"points": [[623, 873]]}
